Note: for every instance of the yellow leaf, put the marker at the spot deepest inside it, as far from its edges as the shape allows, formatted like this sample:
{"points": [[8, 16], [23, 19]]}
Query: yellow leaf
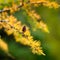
{"points": [[1, 1], [3, 45]]}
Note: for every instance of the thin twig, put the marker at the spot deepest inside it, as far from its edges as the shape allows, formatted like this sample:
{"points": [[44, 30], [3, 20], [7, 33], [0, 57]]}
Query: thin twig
{"points": [[16, 8]]}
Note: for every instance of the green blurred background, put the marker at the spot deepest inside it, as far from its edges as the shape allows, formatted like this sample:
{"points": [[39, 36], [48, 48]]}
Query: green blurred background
{"points": [[50, 42]]}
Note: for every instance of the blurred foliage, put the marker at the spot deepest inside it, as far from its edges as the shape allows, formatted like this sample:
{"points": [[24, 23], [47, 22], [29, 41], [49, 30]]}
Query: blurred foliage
{"points": [[50, 42]]}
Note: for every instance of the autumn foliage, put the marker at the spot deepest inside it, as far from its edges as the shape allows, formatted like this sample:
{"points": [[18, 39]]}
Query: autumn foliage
{"points": [[21, 32]]}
